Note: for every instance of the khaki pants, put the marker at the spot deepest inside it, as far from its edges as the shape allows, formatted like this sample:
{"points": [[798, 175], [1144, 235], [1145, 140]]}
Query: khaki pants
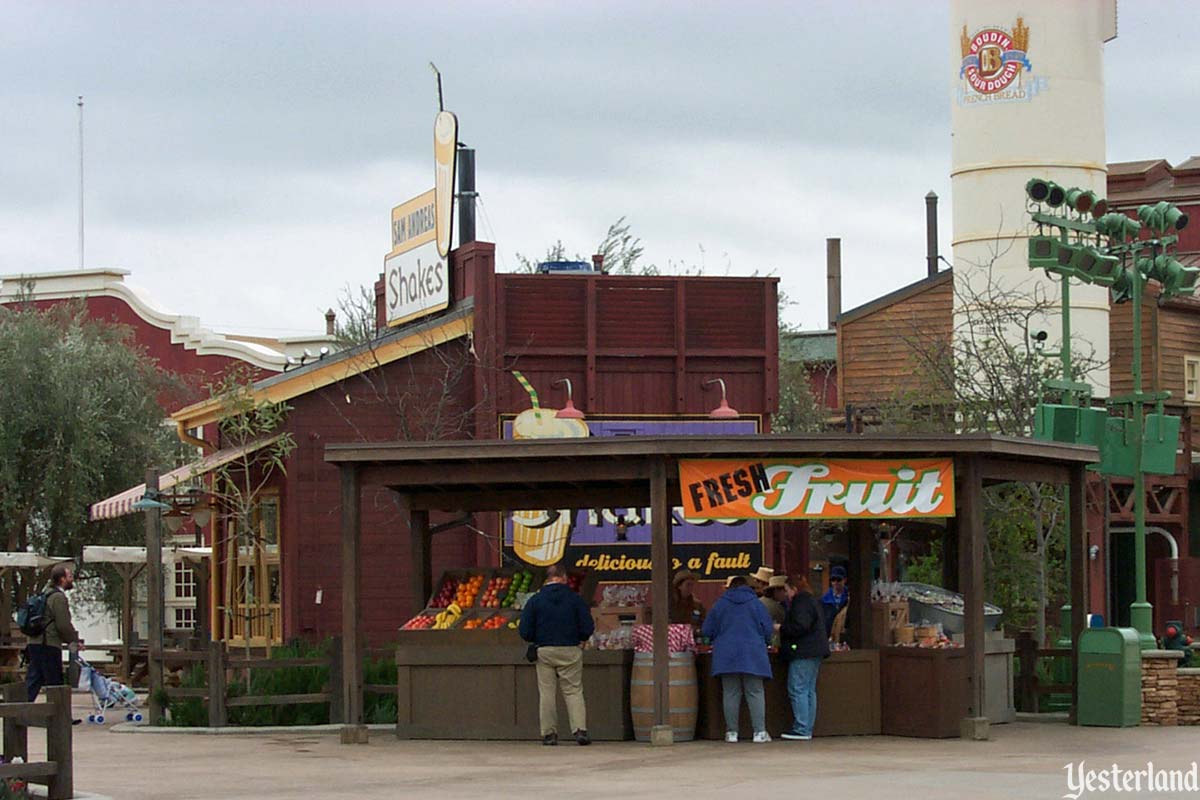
{"points": [[563, 664]]}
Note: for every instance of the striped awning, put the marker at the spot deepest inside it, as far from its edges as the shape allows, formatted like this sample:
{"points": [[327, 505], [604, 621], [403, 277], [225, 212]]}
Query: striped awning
{"points": [[121, 504]]}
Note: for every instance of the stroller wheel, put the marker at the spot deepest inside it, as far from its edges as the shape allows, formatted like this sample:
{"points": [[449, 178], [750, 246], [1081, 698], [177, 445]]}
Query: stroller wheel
{"points": [[99, 719], [129, 716], [91, 717], [137, 717]]}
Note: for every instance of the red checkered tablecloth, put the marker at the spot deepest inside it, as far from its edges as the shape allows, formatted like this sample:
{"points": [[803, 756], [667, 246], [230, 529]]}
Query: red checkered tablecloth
{"points": [[679, 638]]}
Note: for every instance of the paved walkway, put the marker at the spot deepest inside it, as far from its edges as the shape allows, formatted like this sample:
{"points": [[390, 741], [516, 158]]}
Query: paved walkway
{"points": [[1022, 760]]}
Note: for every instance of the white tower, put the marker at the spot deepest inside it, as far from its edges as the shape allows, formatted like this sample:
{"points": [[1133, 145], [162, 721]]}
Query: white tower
{"points": [[1027, 100]]}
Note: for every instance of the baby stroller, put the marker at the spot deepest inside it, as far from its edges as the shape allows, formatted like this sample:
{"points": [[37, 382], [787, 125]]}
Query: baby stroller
{"points": [[107, 694]]}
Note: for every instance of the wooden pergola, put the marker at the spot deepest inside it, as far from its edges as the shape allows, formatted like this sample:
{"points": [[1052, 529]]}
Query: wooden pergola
{"points": [[642, 471]]}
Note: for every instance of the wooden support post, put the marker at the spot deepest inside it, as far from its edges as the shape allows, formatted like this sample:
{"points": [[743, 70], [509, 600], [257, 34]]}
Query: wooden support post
{"points": [[1026, 683], [7, 577], [337, 712], [421, 561], [127, 573], [661, 732], [972, 542], [16, 740], [60, 785], [1077, 523], [353, 729], [216, 685], [203, 629], [858, 612], [154, 598]]}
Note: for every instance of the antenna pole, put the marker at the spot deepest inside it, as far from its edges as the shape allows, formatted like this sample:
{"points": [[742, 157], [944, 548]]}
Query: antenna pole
{"points": [[79, 103], [441, 105]]}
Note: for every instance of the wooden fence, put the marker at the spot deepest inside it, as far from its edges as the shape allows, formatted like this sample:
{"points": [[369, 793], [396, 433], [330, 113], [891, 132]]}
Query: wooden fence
{"points": [[220, 661], [1029, 688], [56, 772]]}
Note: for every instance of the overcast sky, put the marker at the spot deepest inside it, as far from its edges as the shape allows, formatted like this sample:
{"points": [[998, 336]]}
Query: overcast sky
{"points": [[242, 158]]}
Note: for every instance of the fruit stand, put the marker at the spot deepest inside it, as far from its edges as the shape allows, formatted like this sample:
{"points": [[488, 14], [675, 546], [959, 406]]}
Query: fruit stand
{"points": [[490, 680]]}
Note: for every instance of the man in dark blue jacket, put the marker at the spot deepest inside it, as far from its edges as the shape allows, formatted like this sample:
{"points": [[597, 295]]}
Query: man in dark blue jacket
{"points": [[558, 622]]}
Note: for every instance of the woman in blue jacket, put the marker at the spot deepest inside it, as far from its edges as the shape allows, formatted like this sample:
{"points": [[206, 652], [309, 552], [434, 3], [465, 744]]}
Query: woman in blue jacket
{"points": [[740, 629]]}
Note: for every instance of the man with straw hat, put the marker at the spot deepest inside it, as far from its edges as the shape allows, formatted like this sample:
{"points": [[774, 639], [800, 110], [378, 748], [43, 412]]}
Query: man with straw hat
{"points": [[773, 598], [758, 580]]}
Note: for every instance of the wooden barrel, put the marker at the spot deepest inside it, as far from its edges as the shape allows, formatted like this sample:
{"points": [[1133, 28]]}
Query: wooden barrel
{"points": [[684, 697]]}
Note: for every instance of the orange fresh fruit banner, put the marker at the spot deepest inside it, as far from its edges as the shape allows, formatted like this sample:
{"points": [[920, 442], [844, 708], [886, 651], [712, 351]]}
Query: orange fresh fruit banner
{"points": [[817, 488]]}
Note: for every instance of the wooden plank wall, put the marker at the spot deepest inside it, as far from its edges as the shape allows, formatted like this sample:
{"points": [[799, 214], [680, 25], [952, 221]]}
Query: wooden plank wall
{"points": [[639, 344], [876, 359]]}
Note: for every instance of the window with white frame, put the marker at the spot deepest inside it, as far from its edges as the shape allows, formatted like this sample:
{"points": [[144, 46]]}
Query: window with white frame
{"points": [[1191, 378], [185, 618], [185, 581]]}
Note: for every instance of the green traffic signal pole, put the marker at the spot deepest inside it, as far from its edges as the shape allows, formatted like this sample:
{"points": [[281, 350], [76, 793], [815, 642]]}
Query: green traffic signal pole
{"points": [[1064, 612], [1141, 614]]}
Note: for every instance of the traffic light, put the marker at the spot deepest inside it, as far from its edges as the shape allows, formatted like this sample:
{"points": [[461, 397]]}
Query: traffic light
{"points": [[1118, 226], [1044, 191], [1056, 195], [1122, 288], [1176, 279], [1162, 217], [1095, 267], [1043, 252], [1037, 189], [1081, 200]]}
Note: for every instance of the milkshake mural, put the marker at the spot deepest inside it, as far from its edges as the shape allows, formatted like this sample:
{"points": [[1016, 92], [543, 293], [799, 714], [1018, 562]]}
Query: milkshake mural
{"points": [[614, 543]]}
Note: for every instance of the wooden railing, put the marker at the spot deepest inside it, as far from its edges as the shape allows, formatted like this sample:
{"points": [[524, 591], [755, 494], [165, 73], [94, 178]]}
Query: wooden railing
{"points": [[1029, 688], [57, 771], [219, 661], [265, 623]]}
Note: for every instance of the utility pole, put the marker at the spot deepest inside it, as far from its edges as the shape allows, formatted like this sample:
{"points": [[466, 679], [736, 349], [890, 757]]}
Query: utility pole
{"points": [[79, 103]]}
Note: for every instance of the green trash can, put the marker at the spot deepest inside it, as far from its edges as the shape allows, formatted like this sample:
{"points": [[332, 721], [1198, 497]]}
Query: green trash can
{"points": [[1110, 677]]}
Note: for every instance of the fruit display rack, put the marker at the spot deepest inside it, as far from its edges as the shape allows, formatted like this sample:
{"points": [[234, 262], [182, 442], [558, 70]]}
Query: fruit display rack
{"points": [[474, 605]]}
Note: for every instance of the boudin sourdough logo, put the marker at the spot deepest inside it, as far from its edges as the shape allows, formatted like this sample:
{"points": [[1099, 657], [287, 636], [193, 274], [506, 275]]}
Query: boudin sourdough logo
{"points": [[993, 62]]}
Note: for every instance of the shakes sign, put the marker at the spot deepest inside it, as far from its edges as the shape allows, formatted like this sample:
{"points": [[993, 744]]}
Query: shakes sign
{"points": [[416, 273], [817, 489]]}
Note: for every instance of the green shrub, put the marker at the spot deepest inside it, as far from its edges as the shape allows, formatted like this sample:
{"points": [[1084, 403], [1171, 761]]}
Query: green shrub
{"points": [[379, 709], [289, 680], [193, 711], [188, 712]]}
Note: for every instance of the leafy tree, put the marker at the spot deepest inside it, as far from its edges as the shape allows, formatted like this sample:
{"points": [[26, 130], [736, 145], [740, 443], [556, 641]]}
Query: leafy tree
{"points": [[79, 421]]}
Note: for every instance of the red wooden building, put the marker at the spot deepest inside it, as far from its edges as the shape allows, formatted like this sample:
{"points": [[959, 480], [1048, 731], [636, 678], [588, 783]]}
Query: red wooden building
{"points": [[633, 347]]}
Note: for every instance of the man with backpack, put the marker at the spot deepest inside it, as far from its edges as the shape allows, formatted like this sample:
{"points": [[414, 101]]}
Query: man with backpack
{"points": [[46, 620]]}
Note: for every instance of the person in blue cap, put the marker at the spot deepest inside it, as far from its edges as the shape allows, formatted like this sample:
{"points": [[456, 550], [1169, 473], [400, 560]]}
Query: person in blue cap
{"points": [[836, 596]]}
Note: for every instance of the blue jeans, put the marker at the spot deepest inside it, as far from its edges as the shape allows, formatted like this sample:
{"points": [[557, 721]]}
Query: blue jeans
{"points": [[802, 691]]}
